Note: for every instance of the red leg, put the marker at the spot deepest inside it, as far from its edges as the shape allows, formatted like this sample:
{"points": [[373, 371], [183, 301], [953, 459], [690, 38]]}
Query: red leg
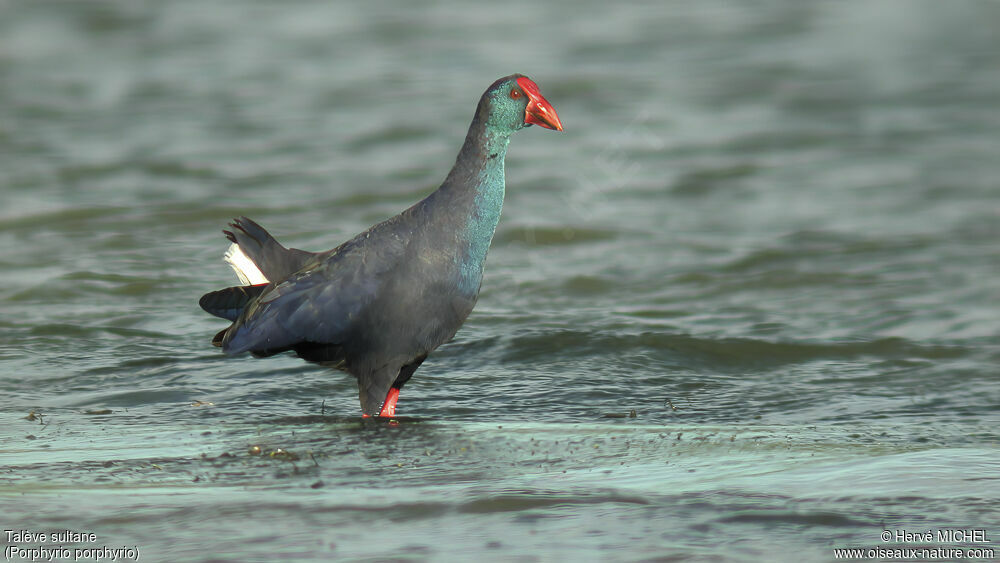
{"points": [[389, 406]]}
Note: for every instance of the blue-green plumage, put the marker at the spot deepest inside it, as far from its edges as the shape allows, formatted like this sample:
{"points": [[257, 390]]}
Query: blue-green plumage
{"points": [[485, 216], [376, 305]]}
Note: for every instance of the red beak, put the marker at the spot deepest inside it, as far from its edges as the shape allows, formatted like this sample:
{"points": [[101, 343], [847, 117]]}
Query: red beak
{"points": [[539, 110]]}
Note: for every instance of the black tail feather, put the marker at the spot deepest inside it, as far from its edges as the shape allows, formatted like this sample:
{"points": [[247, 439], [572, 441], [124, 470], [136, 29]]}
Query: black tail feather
{"points": [[274, 260], [217, 339], [229, 303]]}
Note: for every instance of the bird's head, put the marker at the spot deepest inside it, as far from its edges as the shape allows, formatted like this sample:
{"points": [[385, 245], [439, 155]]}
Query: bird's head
{"points": [[514, 102]]}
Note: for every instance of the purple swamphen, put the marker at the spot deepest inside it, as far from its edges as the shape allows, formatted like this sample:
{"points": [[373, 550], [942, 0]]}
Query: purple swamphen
{"points": [[376, 305]]}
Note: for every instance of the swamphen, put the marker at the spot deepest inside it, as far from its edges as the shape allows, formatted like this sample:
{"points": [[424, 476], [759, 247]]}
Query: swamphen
{"points": [[376, 305]]}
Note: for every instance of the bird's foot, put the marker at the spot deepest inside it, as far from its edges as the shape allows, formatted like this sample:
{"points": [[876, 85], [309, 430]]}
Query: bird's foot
{"points": [[389, 406]]}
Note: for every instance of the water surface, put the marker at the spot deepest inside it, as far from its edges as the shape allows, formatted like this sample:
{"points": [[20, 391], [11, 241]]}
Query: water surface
{"points": [[769, 232]]}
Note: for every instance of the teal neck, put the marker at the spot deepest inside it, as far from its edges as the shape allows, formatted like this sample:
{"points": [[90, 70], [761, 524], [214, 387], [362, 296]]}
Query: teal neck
{"points": [[488, 182]]}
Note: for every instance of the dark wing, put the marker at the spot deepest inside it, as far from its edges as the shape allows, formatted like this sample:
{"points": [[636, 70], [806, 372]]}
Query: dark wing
{"points": [[317, 306]]}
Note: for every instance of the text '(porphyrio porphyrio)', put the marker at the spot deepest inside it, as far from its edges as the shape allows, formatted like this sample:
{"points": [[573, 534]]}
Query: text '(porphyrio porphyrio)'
{"points": [[376, 305]]}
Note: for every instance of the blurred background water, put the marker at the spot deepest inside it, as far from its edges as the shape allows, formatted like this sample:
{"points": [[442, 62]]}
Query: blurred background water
{"points": [[769, 230]]}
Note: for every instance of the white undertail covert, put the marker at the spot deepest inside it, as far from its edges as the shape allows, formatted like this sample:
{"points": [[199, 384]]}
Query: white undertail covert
{"points": [[245, 269]]}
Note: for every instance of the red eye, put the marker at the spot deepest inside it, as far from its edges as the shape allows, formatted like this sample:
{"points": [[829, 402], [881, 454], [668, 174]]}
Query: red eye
{"points": [[515, 94]]}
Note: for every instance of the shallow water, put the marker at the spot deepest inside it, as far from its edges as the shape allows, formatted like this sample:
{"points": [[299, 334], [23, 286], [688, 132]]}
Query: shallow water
{"points": [[770, 233]]}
